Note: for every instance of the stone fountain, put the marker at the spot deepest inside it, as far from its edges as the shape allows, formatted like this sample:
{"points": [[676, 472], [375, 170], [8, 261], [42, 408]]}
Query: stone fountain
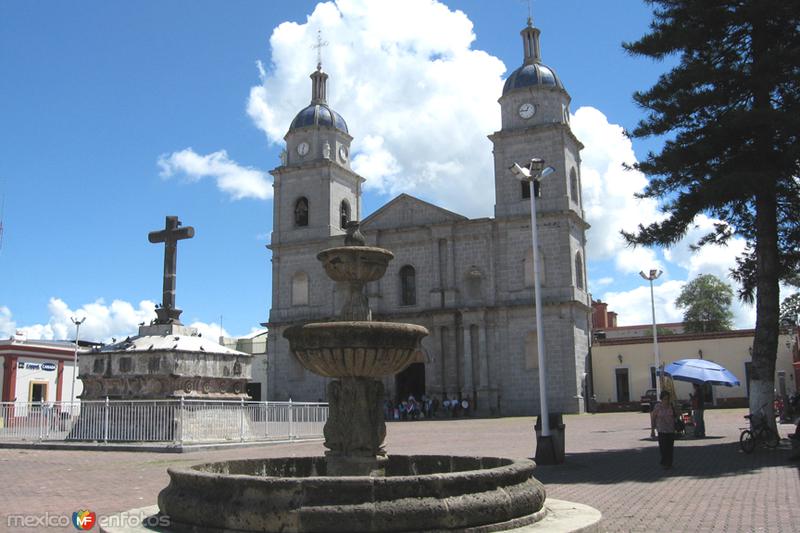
{"points": [[357, 352], [356, 487]]}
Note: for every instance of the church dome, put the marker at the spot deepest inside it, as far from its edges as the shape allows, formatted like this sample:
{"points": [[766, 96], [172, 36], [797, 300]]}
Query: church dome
{"points": [[318, 114], [530, 75]]}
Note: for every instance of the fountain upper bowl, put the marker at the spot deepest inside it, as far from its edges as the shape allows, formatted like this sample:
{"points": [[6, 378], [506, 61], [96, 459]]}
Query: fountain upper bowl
{"points": [[355, 349], [355, 263]]}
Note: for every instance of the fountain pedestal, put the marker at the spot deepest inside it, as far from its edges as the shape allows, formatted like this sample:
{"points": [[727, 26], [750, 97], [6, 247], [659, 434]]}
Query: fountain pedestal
{"points": [[357, 355], [355, 430]]}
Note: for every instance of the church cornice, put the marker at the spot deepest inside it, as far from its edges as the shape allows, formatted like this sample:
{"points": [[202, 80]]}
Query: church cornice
{"points": [[310, 130], [304, 244], [432, 313], [520, 132], [327, 164], [572, 215], [532, 90]]}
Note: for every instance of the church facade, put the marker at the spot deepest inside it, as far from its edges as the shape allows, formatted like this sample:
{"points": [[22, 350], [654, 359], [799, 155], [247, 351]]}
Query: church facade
{"points": [[469, 281]]}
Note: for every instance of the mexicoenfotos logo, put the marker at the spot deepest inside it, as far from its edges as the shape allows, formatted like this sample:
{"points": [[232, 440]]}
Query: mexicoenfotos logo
{"points": [[84, 519]]}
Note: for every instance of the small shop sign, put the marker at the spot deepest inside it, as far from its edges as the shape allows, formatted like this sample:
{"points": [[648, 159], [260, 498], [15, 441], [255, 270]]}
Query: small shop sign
{"points": [[27, 365]]}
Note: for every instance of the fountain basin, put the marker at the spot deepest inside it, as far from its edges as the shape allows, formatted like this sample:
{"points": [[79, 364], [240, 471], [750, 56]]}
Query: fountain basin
{"points": [[355, 349], [355, 263], [419, 493]]}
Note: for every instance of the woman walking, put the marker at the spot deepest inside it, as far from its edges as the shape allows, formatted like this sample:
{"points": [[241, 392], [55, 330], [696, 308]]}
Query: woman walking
{"points": [[663, 419]]}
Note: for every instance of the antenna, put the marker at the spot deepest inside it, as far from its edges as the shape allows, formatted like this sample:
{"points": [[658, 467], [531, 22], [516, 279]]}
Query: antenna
{"points": [[319, 45]]}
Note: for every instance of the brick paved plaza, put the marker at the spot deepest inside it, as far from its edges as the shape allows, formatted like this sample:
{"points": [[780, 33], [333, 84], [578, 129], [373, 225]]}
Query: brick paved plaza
{"points": [[611, 465]]}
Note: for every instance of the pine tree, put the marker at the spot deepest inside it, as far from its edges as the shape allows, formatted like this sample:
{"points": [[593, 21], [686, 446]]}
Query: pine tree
{"points": [[730, 111]]}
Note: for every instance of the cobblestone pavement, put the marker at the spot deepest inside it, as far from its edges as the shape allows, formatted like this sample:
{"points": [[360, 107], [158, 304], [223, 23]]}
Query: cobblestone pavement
{"points": [[611, 465]]}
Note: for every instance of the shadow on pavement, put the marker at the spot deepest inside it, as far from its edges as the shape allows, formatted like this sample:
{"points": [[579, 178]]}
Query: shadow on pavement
{"points": [[641, 464]]}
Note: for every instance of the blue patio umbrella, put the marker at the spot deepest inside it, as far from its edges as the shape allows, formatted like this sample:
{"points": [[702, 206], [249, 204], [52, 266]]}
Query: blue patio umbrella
{"points": [[701, 371]]}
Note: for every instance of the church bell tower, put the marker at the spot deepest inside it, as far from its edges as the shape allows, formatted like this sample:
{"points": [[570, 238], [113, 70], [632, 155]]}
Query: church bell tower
{"points": [[535, 124], [315, 190]]}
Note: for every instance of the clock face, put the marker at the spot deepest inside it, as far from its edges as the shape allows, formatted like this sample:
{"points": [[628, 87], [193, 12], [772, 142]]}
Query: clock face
{"points": [[302, 148], [527, 110], [343, 153]]}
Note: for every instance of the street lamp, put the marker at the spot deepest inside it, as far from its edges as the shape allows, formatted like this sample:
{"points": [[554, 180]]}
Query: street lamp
{"points": [[651, 277], [533, 174], [75, 360]]}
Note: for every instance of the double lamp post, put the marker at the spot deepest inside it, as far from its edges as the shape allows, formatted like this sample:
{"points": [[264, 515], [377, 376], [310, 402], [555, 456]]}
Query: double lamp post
{"points": [[533, 174]]}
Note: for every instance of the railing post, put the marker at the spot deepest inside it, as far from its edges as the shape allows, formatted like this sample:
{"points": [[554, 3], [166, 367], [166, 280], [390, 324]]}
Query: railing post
{"points": [[105, 422], [179, 435], [291, 424], [241, 419], [41, 421]]}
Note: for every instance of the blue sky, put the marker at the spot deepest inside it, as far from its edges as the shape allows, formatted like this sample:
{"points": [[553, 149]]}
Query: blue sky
{"points": [[115, 114]]}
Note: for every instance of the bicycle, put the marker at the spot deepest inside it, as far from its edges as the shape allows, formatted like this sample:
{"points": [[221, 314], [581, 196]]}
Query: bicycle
{"points": [[759, 431]]}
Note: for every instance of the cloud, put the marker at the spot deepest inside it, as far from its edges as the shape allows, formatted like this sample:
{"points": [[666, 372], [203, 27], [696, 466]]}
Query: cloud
{"points": [[210, 330], [634, 307], [7, 325], [608, 190], [603, 282], [102, 322], [417, 98], [609, 205], [237, 181], [717, 260]]}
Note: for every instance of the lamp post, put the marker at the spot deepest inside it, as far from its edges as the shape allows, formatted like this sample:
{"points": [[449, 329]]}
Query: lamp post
{"points": [[75, 360], [533, 174], [651, 277]]}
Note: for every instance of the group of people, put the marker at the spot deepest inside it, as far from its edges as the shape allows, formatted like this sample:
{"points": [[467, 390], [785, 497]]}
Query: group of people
{"points": [[425, 407]]}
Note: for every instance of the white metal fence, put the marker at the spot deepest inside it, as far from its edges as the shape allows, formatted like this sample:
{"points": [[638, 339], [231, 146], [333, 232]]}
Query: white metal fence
{"points": [[180, 421]]}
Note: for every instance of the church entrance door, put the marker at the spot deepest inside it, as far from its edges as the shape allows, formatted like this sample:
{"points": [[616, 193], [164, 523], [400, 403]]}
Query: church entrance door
{"points": [[411, 382]]}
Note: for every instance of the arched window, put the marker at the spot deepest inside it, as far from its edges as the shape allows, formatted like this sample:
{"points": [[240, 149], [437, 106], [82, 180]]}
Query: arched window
{"points": [[573, 186], [408, 285], [301, 212], [344, 214], [300, 288], [579, 271]]}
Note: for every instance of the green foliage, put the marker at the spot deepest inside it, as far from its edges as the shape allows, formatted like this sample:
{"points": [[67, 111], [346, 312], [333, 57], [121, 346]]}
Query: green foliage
{"points": [[707, 300], [790, 310], [730, 113], [732, 109], [790, 306]]}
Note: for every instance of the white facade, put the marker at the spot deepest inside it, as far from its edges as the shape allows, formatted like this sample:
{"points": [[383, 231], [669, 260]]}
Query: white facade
{"points": [[468, 281], [254, 344], [37, 371]]}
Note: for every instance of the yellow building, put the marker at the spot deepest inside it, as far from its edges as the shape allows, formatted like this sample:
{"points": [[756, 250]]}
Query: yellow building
{"points": [[623, 364]]}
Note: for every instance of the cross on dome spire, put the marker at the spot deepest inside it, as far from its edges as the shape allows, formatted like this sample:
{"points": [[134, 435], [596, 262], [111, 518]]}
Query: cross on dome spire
{"points": [[530, 41], [320, 44], [319, 78]]}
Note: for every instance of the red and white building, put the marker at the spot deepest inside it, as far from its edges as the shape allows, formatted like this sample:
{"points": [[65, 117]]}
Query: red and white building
{"points": [[37, 370]]}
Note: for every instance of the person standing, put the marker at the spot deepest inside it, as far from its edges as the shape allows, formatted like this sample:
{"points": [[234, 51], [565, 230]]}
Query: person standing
{"points": [[698, 399], [662, 417]]}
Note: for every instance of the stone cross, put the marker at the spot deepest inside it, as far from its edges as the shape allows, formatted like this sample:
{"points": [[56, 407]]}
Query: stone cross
{"points": [[170, 235]]}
